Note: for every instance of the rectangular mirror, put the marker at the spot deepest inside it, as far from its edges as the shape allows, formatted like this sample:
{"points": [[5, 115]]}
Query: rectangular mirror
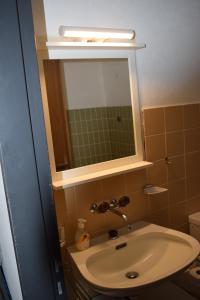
{"points": [[90, 110]]}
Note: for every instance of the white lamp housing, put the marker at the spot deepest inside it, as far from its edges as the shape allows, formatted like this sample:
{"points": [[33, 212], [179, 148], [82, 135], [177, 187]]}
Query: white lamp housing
{"points": [[96, 34]]}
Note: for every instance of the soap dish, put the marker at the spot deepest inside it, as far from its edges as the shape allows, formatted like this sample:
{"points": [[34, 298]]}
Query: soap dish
{"points": [[150, 189]]}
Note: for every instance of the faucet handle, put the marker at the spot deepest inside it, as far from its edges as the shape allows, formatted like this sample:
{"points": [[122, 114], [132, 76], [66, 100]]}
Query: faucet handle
{"points": [[114, 203], [123, 201], [93, 208], [103, 207]]}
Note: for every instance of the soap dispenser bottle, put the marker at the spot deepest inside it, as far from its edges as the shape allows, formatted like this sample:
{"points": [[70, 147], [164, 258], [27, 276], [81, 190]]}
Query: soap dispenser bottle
{"points": [[82, 237]]}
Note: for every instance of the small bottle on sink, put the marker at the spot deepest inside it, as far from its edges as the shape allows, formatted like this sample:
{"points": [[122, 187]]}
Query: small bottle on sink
{"points": [[82, 237]]}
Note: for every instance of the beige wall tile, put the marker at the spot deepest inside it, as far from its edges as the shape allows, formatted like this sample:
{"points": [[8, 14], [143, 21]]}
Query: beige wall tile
{"points": [[155, 147], [193, 186], [191, 116], [183, 228], [154, 121], [193, 205], [177, 191], [60, 206], [71, 214], [70, 201], [175, 143], [158, 202], [70, 228], [174, 118], [157, 174], [135, 181], [113, 187], [160, 218], [178, 214], [193, 164], [89, 192], [176, 169], [192, 140], [102, 229]]}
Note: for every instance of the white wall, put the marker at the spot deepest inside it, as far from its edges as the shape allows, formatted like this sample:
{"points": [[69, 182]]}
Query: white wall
{"points": [[96, 83], [116, 82], [6, 247], [84, 85], [169, 68]]}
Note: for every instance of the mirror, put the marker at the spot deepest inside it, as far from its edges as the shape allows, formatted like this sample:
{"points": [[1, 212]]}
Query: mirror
{"points": [[90, 111]]}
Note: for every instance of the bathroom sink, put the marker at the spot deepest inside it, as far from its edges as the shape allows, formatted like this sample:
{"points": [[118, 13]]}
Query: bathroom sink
{"points": [[136, 259]]}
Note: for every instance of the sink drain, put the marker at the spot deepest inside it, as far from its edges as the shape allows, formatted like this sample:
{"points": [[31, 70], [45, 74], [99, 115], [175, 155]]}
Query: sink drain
{"points": [[132, 275]]}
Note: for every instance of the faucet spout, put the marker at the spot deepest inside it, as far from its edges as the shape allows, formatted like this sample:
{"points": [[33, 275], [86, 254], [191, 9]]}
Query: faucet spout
{"points": [[118, 213]]}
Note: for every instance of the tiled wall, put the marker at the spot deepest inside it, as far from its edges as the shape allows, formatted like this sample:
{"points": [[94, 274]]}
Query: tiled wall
{"points": [[100, 134], [172, 132], [89, 135], [120, 122]]}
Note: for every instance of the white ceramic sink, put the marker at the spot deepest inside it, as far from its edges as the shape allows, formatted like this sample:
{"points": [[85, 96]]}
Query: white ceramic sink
{"points": [[152, 251]]}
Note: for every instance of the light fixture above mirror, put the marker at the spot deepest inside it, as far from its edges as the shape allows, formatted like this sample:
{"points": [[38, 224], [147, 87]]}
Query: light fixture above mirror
{"points": [[88, 37], [96, 34]]}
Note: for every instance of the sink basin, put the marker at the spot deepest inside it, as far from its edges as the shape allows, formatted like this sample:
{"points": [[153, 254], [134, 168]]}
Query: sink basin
{"points": [[137, 259]]}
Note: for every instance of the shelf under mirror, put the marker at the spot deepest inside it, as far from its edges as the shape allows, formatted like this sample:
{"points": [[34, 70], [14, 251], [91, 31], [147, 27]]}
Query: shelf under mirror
{"points": [[99, 174]]}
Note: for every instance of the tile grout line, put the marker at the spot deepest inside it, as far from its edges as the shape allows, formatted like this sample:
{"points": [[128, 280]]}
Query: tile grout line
{"points": [[185, 171], [167, 171], [174, 131]]}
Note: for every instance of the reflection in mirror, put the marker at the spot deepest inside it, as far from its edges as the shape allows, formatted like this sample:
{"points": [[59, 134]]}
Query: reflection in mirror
{"points": [[90, 111]]}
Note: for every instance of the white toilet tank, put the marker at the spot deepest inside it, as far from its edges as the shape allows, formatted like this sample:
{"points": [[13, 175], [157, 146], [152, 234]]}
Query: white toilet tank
{"points": [[194, 225]]}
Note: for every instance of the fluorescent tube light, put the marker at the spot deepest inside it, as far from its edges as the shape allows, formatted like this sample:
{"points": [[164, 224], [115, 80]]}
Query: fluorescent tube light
{"points": [[96, 33]]}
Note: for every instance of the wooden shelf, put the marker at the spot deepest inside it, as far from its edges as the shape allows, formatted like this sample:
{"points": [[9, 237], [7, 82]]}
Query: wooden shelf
{"points": [[62, 45], [92, 176]]}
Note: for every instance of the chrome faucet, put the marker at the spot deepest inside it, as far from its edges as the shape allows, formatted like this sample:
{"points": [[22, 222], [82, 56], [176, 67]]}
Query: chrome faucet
{"points": [[119, 213], [123, 216], [111, 207]]}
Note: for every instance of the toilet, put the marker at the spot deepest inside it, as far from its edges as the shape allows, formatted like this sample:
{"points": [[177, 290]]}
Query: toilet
{"points": [[190, 279], [194, 225]]}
